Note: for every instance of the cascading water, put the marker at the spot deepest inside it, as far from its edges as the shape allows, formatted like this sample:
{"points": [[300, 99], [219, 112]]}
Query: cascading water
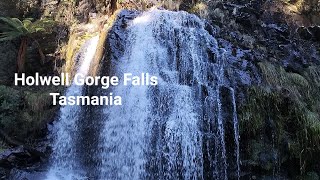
{"points": [[64, 158], [175, 130]]}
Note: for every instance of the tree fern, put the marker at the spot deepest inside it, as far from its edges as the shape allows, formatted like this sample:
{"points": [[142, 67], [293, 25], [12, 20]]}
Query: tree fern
{"points": [[13, 28]]}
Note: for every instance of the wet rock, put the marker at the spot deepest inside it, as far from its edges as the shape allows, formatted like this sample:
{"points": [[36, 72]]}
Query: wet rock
{"points": [[186, 5], [247, 17], [309, 33], [6, 157], [117, 35], [26, 175], [304, 33], [275, 32], [21, 157], [315, 30], [22, 162], [3, 173]]}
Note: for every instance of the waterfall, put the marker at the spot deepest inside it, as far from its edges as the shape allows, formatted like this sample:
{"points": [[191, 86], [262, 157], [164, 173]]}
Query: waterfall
{"points": [[236, 132], [65, 163], [175, 130]]}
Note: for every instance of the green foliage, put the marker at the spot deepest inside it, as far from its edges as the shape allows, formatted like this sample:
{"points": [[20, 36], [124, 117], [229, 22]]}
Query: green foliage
{"points": [[24, 112], [10, 102], [12, 28], [37, 102], [8, 56], [200, 9], [259, 151], [259, 100]]}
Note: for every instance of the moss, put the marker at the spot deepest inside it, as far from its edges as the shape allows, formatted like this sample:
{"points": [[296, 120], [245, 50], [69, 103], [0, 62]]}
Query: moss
{"points": [[76, 40], [102, 44], [263, 155], [200, 9], [286, 105]]}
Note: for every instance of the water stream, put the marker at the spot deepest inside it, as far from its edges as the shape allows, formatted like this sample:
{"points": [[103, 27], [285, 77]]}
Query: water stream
{"points": [[175, 130], [65, 162]]}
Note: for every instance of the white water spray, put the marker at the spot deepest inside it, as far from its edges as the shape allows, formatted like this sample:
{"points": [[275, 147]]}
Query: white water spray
{"points": [[159, 133], [65, 163]]}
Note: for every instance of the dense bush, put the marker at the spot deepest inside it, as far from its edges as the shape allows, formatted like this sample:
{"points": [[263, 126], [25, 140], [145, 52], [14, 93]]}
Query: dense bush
{"points": [[24, 113], [10, 102]]}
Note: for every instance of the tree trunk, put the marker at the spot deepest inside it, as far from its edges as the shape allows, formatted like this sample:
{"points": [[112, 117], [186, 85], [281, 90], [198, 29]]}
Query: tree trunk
{"points": [[22, 55], [113, 6], [42, 56]]}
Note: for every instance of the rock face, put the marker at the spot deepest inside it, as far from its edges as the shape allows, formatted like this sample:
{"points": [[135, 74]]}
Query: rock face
{"points": [[16, 8], [305, 33], [7, 7], [315, 31], [8, 58], [27, 174], [310, 33], [273, 109], [11, 160]]}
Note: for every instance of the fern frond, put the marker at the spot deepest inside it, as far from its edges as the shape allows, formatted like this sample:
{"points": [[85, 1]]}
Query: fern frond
{"points": [[26, 23], [10, 35], [11, 28], [12, 23]]}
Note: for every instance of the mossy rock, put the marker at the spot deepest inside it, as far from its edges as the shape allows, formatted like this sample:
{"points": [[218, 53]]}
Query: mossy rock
{"points": [[312, 176], [283, 112], [263, 155]]}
